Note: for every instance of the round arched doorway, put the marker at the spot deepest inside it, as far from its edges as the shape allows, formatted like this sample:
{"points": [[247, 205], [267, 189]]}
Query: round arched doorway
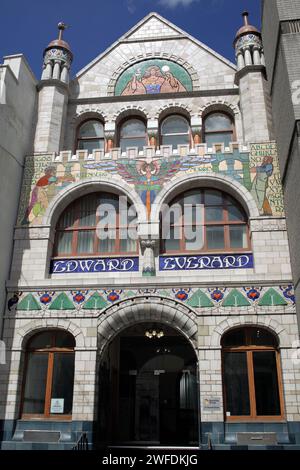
{"points": [[148, 388]]}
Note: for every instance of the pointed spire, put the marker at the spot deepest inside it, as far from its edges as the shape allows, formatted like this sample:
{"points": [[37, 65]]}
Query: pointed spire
{"points": [[245, 15]]}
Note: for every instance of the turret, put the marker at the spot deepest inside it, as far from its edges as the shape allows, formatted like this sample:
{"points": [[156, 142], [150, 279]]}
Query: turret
{"points": [[53, 95], [255, 101], [57, 58], [248, 45]]}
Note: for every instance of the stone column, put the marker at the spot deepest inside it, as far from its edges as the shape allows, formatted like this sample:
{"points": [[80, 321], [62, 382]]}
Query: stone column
{"points": [[148, 250], [153, 132], [110, 135]]}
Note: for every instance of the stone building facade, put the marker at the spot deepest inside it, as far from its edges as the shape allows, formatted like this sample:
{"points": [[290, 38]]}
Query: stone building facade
{"points": [[152, 341], [281, 35]]}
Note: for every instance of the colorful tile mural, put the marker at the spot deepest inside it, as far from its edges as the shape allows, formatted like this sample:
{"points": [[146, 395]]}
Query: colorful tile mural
{"points": [[199, 298], [257, 170], [152, 77]]}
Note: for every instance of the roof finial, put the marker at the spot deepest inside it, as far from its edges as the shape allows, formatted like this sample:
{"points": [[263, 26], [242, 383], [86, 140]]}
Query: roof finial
{"points": [[245, 14], [61, 27]]}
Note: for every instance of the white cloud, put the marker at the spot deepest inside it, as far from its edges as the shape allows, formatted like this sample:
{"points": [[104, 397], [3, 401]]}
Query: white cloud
{"points": [[130, 6], [176, 3]]}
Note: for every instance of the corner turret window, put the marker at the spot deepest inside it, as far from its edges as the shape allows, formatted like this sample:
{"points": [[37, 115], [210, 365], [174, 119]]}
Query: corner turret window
{"points": [[175, 130], [90, 136], [133, 133], [218, 129]]}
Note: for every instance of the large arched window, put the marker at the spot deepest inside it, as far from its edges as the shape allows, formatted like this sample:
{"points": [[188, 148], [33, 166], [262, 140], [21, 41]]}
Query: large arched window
{"points": [[205, 220], [90, 135], [218, 128], [175, 130], [133, 133], [95, 224], [251, 375], [49, 375]]}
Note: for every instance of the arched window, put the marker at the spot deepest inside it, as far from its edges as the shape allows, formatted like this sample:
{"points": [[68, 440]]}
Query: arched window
{"points": [[49, 375], [218, 128], [251, 375], [133, 133], [90, 135], [95, 224], [205, 220], [175, 130]]}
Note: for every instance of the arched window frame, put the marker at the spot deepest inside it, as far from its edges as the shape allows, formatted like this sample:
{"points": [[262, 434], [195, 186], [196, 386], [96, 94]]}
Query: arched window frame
{"points": [[188, 134], [99, 140], [225, 222], [250, 349], [77, 227], [124, 121], [232, 131], [50, 352]]}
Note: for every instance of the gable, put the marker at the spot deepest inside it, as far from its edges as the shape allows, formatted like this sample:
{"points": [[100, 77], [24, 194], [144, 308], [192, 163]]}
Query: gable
{"points": [[206, 68], [152, 28]]}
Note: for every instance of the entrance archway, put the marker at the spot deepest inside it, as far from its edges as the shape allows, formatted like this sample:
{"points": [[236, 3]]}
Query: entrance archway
{"points": [[148, 392]]}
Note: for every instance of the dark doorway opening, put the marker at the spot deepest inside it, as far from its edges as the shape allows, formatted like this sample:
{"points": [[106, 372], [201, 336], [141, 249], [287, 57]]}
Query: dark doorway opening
{"points": [[148, 389]]}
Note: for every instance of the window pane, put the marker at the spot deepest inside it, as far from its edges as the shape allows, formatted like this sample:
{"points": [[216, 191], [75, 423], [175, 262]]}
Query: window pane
{"points": [[64, 242], [42, 340], [91, 145], [194, 237], [108, 245], [85, 241], [219, 138], [266, 383], [133, 128], [172, 242], [91, 129], [174, 125], [215, 237], [235, 337], [35, 388], [139, 142], [127, 245], [175, 140], [217, 122], [213, 214], [238, 236], [67, 218], [192, 198], [63, 381], [64, 340], [236, 384], [87, 211], [235, 214], [213, 198], [261, 337]]}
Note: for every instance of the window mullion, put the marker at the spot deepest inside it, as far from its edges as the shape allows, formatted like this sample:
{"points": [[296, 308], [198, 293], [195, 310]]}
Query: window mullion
{"points": [[49, 384], [251, 381]]}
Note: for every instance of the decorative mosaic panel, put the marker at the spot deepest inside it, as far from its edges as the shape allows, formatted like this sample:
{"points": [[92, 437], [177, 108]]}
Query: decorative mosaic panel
{"points": [[206, 297], [257, 170], [152, 77]]}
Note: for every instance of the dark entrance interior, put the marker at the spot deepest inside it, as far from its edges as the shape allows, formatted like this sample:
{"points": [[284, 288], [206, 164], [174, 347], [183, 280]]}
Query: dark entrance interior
{"points": [[148, 389]]}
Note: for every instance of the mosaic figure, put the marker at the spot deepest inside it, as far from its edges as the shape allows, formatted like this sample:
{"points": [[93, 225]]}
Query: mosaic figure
{"points": [[154, 80], [260, 184]]}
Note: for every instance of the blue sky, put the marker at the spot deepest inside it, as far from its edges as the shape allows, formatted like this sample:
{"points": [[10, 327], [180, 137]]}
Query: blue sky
{"points": [[27, 26]]}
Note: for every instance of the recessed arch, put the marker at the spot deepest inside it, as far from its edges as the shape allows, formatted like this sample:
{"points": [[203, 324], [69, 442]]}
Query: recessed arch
{"points": [[130, 111], [142, 309], [174, 108], [76, 190], [251, 320], [219, 105], [210, 180], [30, 329]]}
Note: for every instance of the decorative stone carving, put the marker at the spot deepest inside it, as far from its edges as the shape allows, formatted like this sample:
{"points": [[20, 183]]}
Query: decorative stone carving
{"points": [[148, 249]]}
